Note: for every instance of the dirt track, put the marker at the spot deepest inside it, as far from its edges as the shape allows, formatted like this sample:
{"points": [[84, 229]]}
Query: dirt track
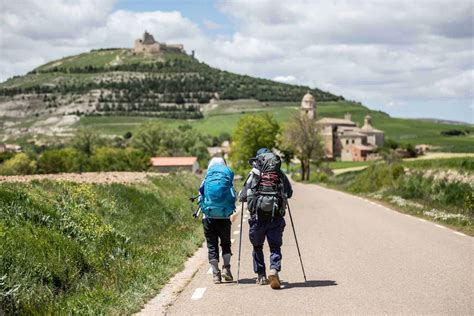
{"points": [[86, 177]]}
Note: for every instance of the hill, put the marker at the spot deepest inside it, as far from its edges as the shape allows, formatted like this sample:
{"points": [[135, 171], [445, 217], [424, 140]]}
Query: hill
{"points": [[114, 90], [121, 82]]}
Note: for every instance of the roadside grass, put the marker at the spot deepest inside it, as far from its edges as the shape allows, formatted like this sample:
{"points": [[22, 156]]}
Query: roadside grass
{"points": [[461, 164], [447, 200], [71, 248], [346, 164]]}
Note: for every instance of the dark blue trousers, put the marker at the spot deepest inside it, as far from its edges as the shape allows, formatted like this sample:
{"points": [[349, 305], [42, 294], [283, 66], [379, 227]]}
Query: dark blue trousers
{"points": [[273, 231]]}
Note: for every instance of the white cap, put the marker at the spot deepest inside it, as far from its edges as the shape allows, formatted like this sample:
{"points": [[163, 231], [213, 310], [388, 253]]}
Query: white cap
{"points": [[216, 161]]}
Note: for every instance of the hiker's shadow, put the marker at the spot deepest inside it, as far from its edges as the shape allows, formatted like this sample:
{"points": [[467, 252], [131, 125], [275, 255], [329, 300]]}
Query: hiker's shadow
{"points": [[247, 281], [286, 285], [311, 283]]}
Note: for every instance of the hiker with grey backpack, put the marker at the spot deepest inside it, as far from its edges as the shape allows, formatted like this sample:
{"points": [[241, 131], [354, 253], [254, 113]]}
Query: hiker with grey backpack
{"points": [[266, 191], [217, 203]]}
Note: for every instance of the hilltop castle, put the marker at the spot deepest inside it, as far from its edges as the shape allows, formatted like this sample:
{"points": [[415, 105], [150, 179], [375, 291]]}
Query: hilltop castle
{"points": [[147, 44], [342, 138]]}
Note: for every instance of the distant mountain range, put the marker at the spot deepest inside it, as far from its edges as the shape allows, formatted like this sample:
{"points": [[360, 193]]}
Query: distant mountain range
{"points": [[439, 121]]}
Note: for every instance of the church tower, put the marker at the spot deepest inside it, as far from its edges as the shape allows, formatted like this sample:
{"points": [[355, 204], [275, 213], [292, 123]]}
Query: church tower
{"points": [[308, 106]]}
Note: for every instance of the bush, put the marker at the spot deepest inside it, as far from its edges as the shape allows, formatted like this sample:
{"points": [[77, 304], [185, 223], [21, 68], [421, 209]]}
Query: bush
{"points": [[414, 187], [453, 132], [375, 177], [453, 193], [19, 164], [319, 177], [58, 160], [118, 159]]}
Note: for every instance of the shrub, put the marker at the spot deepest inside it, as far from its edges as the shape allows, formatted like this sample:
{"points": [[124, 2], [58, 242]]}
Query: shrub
{"points": [[57, 160], [469, 204], [373, 178], [453, 193], [118, 159], [414, 187], [18, 165]]}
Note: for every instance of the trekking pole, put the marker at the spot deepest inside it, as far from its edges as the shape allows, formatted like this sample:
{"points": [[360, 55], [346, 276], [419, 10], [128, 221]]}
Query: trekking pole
{"points": [[240, 241], [296, 239]]}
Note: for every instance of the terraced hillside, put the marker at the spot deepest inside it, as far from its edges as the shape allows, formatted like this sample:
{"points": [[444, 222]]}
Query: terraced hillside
{"points": [[120, 82]]}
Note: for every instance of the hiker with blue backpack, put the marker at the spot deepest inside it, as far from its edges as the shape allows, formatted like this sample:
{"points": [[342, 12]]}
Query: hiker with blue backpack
{"points": [[217, 202], [266, 191]]}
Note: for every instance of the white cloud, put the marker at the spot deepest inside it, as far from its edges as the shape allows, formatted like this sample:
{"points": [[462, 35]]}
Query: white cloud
{"points": [[247, 47], [395, 52], [34, 32], [461, 84], [286, 79]]}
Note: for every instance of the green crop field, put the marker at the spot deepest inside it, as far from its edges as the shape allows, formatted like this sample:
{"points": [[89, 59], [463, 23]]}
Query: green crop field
{"points": [[224, 118]]}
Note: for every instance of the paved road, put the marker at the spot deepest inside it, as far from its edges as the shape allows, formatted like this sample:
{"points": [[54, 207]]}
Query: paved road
{"points": [[360, 258]]}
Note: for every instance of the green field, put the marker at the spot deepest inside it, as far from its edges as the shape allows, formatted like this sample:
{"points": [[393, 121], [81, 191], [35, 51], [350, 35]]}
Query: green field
{"points": [[346, 164], [224, 118], [85, 249]]}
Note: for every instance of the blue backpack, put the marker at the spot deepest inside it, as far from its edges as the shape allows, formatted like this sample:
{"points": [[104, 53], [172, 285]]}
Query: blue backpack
{"points": [[219, 195]]}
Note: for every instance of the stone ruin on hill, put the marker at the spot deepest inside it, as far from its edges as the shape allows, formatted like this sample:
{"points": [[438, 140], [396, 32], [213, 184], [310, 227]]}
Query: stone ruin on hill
{"points": [[148, 44]]}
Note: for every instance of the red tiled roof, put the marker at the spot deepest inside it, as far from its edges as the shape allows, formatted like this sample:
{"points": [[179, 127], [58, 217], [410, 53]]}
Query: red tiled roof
{"points": [[172, 161]]}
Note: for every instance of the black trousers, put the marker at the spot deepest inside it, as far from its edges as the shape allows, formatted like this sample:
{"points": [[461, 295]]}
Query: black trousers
{"points": [[215, 229]]}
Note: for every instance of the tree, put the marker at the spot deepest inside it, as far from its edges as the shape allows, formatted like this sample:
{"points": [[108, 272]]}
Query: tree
{"points": [[57, 160], [18, 165], [179, 99], [86, 140], [301, 137], [288, 155], [252, 133], [151, 137]]}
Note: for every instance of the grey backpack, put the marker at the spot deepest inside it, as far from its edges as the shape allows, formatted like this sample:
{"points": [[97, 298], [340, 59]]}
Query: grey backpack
{"points": [[266, 198]]}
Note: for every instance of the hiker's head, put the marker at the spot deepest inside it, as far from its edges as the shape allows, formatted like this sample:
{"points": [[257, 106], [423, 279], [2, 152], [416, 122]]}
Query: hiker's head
{"points": [[259, 152], [216, 161], [262, 151]]}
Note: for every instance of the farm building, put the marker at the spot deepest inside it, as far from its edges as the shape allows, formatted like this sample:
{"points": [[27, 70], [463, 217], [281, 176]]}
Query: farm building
{"points": [[172, 164]]}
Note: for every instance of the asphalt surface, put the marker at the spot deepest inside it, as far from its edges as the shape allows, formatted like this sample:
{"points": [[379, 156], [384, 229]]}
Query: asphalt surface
{"points": [[359, 257]]}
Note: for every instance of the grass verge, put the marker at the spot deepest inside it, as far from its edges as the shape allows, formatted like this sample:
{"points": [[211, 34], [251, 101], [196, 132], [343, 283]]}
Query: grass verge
{"points": [[441, 191], [92, 249]]}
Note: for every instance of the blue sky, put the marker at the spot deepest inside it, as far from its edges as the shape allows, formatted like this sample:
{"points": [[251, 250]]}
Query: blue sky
{"points": [[197, 11], [407, 58]]}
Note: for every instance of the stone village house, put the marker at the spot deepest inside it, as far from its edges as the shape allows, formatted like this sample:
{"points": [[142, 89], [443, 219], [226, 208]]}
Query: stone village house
{"points": [[342, 137]]}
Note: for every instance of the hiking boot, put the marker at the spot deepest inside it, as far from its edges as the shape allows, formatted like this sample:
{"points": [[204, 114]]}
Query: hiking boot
{"points": [[216, 278], [226, 274], [262, 279], [274, 279]]}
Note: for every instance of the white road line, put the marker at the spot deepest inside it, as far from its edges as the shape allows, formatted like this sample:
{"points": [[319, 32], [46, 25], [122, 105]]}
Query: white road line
{"points": [[198, 293], [460, 234], [440, 226], [209, 271], [232, 241], [236, 232], [421, 219]]}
